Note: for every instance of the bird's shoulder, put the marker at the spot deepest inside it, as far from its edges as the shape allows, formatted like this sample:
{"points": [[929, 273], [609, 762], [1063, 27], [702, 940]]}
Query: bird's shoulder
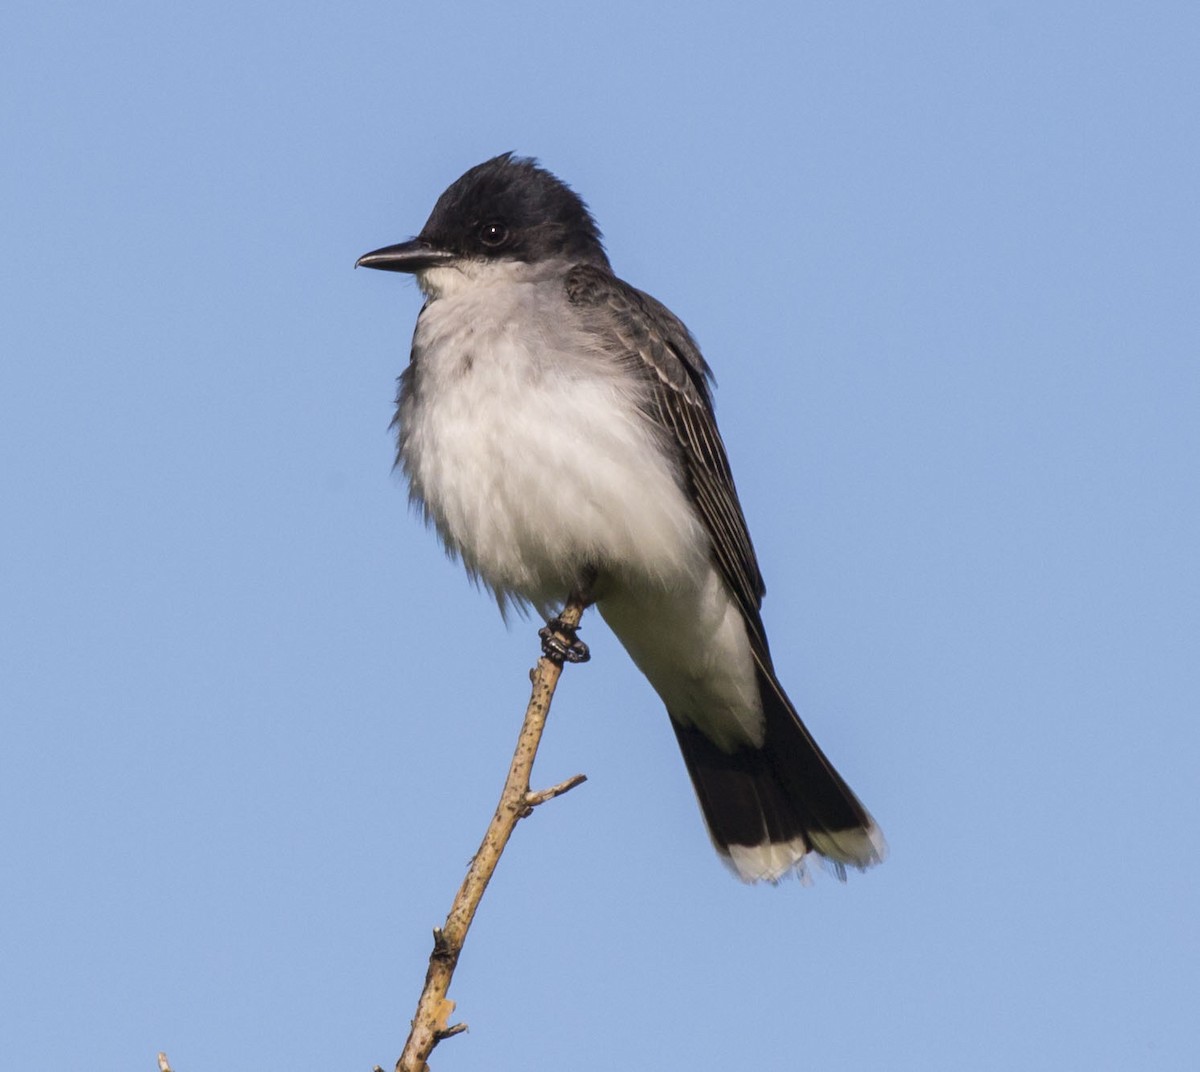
{"points": [[638, 323]]}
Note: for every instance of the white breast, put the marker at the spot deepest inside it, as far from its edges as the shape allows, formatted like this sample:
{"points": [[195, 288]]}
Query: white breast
{"points": [[529, 452]]}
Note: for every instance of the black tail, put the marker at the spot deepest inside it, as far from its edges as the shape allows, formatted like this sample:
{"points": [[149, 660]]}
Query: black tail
{"points": [[767, 807]]}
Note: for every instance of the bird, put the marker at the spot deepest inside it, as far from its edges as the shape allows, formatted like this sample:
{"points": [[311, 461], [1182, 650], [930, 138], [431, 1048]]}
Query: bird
{"points": [[556, 427]]}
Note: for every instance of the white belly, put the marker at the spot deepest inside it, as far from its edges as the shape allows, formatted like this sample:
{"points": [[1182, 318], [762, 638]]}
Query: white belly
{"points": [[691, 644]]}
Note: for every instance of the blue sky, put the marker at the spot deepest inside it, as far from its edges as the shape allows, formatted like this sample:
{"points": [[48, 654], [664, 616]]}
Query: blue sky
{"points": [[943, 260]]}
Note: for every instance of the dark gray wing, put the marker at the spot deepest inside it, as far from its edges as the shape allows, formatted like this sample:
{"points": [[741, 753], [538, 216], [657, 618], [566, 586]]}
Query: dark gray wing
{"points": [[659, 347]]}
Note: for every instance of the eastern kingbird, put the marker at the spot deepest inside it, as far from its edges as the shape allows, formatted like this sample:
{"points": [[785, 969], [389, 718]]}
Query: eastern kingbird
{"points": [[556, 426]]}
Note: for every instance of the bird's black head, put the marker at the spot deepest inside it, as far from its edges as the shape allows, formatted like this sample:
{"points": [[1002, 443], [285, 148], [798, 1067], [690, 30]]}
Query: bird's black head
{"points": [[505, 208]]}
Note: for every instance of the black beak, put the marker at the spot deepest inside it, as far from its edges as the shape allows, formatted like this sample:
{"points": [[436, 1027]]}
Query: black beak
{"points": [[414, 255]]}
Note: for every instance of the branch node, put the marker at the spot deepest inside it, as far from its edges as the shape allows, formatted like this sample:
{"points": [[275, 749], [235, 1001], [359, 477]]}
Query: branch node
{"points": [[532, 800]]}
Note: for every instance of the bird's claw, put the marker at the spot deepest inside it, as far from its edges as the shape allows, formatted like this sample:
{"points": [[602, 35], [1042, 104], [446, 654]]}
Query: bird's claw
{"points": [[556, 649]]}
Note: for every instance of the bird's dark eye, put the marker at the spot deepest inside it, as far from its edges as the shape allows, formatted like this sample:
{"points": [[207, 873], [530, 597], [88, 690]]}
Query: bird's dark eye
{"points": [[493, 234]]}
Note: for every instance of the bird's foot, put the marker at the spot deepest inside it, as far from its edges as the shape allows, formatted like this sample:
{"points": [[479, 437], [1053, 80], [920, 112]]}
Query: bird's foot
{"points": [[560, 643]]}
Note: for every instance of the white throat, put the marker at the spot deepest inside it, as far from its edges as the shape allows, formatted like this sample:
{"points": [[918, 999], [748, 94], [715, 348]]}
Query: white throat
{"points": [[471, 274]]}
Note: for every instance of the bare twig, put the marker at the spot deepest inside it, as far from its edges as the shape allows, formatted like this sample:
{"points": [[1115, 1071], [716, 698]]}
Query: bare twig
{"points": [[163, 1064], [431, 1023], [532, 800]]}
